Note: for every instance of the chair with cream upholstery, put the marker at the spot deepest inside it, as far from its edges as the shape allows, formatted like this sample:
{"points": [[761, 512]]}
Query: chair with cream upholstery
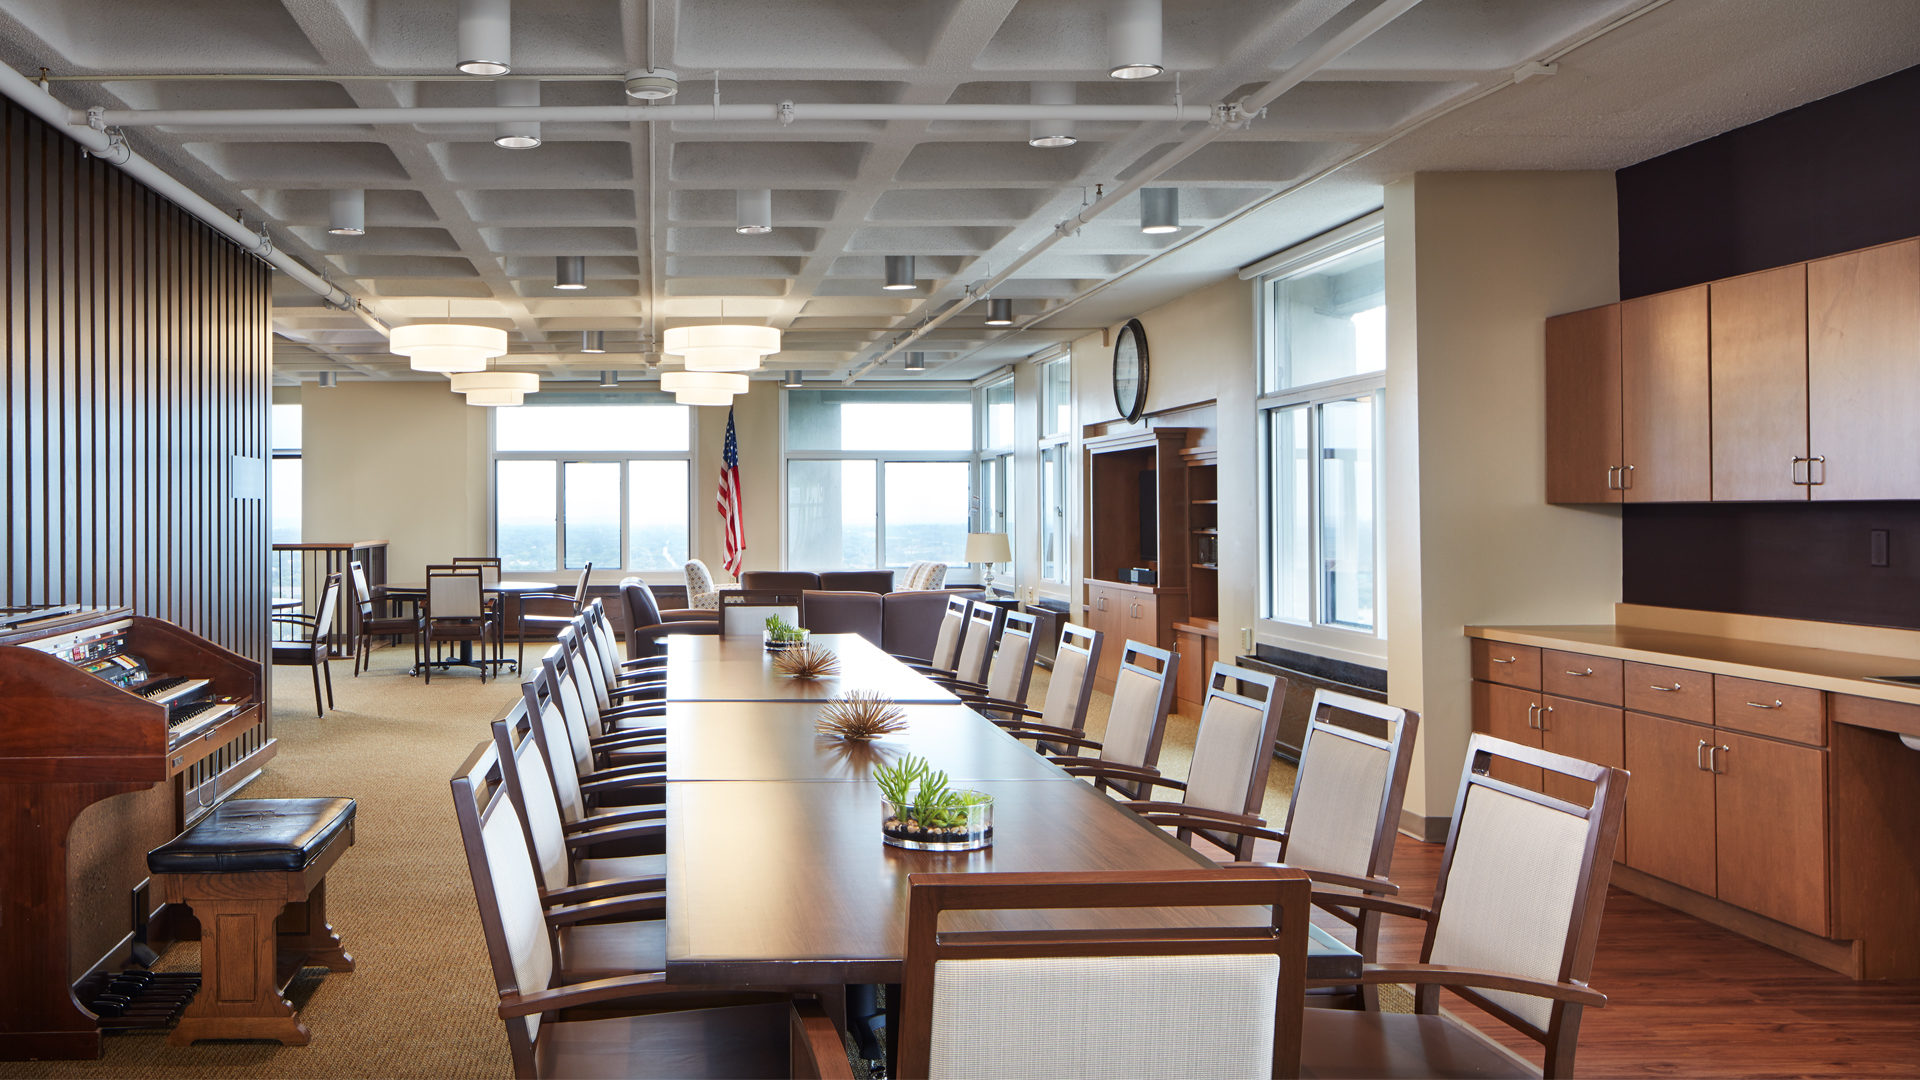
{"points": [[1232, 753], [946, 647], [455, 610], [1069, 690], [1009, 672], [1158, 1001], [527, 955], [744, 614], [1512, 929], [1129, 756], [702, 595], [924, 576], [584, 777]]}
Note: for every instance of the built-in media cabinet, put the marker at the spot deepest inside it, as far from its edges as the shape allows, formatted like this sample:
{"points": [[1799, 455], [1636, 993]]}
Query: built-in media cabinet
{"points": [[1770, 792]]}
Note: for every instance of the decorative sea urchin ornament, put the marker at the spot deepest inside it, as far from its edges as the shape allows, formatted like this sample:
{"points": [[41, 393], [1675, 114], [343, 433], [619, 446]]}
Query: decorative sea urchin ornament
{"points": [[806, 662], [861, 716]]}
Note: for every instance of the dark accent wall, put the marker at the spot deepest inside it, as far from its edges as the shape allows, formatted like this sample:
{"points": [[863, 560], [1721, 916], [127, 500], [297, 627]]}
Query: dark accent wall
{"points": [[1830, 176], [133, 454], [1834, 175]]}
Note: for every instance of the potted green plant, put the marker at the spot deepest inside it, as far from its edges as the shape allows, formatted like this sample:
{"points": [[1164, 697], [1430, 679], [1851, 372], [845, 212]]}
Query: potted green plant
{"points": [[919, 810], [782, 634]]}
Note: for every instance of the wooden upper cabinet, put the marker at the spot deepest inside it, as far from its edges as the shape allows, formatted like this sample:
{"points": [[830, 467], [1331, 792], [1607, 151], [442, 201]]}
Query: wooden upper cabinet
{"points": [[1583, 405], [1664, 412], [1863, 373], [1759, 335]]}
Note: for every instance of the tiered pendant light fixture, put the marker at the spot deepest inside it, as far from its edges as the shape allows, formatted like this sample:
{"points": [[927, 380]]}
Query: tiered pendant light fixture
{"points": [[1051, 134], [495, 388], [1133, 39], [570, 271], [703, 387], [753, 210], [486, 37], [448, 346], [1159, 210], [999, 313], [722, 346], [347, 212], [517, 134], [899, 272]]}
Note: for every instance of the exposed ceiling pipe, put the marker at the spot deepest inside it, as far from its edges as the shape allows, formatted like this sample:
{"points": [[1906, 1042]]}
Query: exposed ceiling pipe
{"points": [[784, 112], [1247, 107], [115, 151]]}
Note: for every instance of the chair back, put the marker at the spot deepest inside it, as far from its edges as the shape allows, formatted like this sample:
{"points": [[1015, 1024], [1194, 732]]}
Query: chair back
{"points": [[323, 618], [1012, 668], [1071, 686], [1346, 801], [700, 591], [584, 665], [489, 567], [873, 581], [606, 644], [924, 576], [842, 613], [559, 667], [976, 649], [792, 581], [453, 592], [1224, 998], [1142, 698], [512, 918], [1233, 750], [953, 630], [1522, 886], [580, 587], [745, 614], [556, 743], [362, 592], [530, 786]]}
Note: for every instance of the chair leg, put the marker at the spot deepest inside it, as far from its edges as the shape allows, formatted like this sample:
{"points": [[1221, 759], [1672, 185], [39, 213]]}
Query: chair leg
{"points": [[318, 709], [426, 668], [327, 666]]}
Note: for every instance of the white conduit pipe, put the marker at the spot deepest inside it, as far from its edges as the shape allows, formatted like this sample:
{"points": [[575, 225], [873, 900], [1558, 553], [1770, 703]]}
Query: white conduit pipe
{"points": [[785, 111], [116, 152], [1246, 107]]}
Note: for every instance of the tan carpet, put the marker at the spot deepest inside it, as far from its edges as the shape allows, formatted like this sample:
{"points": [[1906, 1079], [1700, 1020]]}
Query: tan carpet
{"points": [[421, 1002]]}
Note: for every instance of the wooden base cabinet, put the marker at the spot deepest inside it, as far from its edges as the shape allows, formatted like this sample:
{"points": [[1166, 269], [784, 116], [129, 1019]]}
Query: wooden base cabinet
{"points": [[1670, 828], [1770, 802]]}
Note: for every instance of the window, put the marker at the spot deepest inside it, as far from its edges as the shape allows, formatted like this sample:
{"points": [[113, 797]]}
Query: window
{"points": [[1056, 419], [1322, 378], [878, 478], [284, 480], [994, 481], [594, 480]]}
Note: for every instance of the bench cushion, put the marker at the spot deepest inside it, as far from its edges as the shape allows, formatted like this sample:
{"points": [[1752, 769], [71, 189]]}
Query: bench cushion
{"points": [[254, 834]]}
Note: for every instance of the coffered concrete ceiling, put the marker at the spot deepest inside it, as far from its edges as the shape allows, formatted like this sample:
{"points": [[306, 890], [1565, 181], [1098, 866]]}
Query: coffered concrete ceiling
{"points": [[457, 225]]}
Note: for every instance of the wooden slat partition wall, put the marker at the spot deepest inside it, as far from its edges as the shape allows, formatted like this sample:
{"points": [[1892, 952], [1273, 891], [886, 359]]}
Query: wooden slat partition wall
{"points": [[136, 397]]}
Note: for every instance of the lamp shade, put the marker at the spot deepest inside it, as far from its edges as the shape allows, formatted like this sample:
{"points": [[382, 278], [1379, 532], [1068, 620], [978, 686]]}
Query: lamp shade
{"points": [[495, 398], [448, 346], [988, 548], [524, 382], [721, 346], [703, 387]]}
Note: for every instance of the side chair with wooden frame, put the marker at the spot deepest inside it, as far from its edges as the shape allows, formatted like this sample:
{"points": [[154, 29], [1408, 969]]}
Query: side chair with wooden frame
{"points": [[490, 573], [455, 610], [946, 646], [313, 649], [373, 624], [648, 625], [569, 866], [1009, 671], [547, 614], [1512, 929], [1069, 689], [579, 799], [1232, 754], [744, 614], [1127, 759]]}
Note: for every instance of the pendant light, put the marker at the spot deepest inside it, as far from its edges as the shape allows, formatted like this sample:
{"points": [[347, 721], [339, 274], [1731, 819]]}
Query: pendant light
{"points": [[329, 380], [1133, 39], [794, 380], [517, 134], [916, 361], [449, 347], [347, 212], [609, 380], [999, 313], [570, 271], [1159, 210], [899, 272], [753, 212], [722, 346], [486, 37], [1051, 134], [495, 399], [593, 341], [470, 382], [703, 387]]}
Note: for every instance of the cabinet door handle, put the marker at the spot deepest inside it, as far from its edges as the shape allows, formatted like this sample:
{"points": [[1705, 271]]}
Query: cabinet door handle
{"points": [[1626, 477], [1793, 471], [1700, 756], [1580, 674], [1503, 659], [1713, 758], [1822, 459], [1757, 705], [1100, 603], [1543, 716], [1531, 710], [1665, 689], [1613, 483]]}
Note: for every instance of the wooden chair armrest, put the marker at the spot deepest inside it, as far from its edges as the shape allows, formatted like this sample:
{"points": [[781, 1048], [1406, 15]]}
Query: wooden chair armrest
{"points": [[615, 740], [634, 711], [912, 661], [689, 615], [975, 689], [1473, 978], [932, 672], [636, 830], [1113, 770], [630, 757], [567, 596], [591, 992], [307, 621], [1182, 816], [623, 772], [620, 783], [1001, 705], [1371, 903], [649, 904], [605, 818], [596, 890], [817, 1050], [1043, 733], [1377, 885]]}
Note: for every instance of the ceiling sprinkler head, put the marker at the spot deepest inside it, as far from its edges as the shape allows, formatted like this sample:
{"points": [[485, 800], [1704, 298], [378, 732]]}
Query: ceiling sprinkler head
{"points": [[652, 84]]}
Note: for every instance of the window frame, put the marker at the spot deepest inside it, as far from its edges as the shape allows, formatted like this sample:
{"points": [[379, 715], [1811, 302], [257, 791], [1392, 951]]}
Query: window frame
{"points": [[993, 466], [1059, 444], [560, 459], [1316, 635]]}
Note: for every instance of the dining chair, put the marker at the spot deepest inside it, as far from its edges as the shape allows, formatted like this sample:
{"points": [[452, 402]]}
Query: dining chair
{"points": [[1069, 689], [609, 708], [946, 646], [618, 670], [745, 614], [1222, 998], [623, 730], [569, 754], [1232, 754], [701, 592], [548, 615], [1511, 930], [647, 624], [1009, 672], [1129, 755], [691, 1037], [490, 571], [856, 612], [454, 610], [925, 576], [374, 625], [1345, 810], [313, 650]]}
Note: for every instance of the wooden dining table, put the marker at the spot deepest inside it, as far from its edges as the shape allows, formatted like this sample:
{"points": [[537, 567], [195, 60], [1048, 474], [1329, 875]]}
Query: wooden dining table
{"points": [[740, 668], [777, 875], [414, 593]]}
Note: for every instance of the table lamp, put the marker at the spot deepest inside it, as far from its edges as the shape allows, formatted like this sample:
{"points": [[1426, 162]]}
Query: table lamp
{"points": [[988, 548]]}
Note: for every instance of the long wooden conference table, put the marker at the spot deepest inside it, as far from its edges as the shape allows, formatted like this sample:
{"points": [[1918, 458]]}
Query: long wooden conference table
{"points": [[777, 875]]}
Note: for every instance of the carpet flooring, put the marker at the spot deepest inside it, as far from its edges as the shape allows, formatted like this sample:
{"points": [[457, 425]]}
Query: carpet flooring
{"points": [[420, 1003]]}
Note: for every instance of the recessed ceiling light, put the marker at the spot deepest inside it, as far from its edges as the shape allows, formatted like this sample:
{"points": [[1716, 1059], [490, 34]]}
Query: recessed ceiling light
{"points": [[899, 272], [753, 212], [1133, 39], [1159, 210], [347, 212], [593, 341], [1051, 134], [517, 134], [655, 84], [570, 272], [486, 37], [999, 313]]}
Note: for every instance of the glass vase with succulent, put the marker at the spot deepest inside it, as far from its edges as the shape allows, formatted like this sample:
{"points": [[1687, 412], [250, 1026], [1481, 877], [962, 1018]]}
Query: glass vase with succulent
{"points": [[782, 634], [920, 810]]}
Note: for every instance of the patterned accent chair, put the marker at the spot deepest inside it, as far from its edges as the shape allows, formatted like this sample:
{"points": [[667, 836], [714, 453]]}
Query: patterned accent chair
{"points": [[701, 592], [925, 575]]}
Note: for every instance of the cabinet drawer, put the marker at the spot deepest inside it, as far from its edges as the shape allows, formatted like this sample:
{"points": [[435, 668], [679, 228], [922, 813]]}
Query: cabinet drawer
{"points": [[1669, 691], [1577, 675], [1512, 665], [1764, 708]]}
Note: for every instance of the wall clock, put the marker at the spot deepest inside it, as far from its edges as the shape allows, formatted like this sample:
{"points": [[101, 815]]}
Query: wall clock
{"points": [[1130, 370]]}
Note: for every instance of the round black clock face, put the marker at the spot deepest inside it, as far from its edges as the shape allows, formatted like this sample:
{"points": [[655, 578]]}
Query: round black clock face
{"points": [[1130, 370]]}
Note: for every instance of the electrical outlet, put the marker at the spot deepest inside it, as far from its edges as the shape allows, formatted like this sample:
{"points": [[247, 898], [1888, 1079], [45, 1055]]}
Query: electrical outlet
{"points": [[1876, 547], [1246, 639]]}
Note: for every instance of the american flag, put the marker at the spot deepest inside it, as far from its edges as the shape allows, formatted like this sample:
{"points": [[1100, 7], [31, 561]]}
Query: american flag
{"points": [[730, 514]]}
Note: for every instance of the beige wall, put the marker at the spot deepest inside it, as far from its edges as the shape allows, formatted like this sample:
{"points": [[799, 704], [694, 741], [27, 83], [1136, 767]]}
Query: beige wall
{"points": [[756, 421], [1479, 260]]}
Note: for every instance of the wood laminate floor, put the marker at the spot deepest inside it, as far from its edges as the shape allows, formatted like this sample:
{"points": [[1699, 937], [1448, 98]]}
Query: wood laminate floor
{"points": [[1687, 998]]}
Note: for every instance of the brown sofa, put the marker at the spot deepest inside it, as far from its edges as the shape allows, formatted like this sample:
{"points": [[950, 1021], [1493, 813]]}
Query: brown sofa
{"points": [[869, 581]]}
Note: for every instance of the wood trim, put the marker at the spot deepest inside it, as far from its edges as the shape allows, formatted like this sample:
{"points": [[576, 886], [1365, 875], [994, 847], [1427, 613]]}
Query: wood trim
{"points": [[1841, 956]]}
